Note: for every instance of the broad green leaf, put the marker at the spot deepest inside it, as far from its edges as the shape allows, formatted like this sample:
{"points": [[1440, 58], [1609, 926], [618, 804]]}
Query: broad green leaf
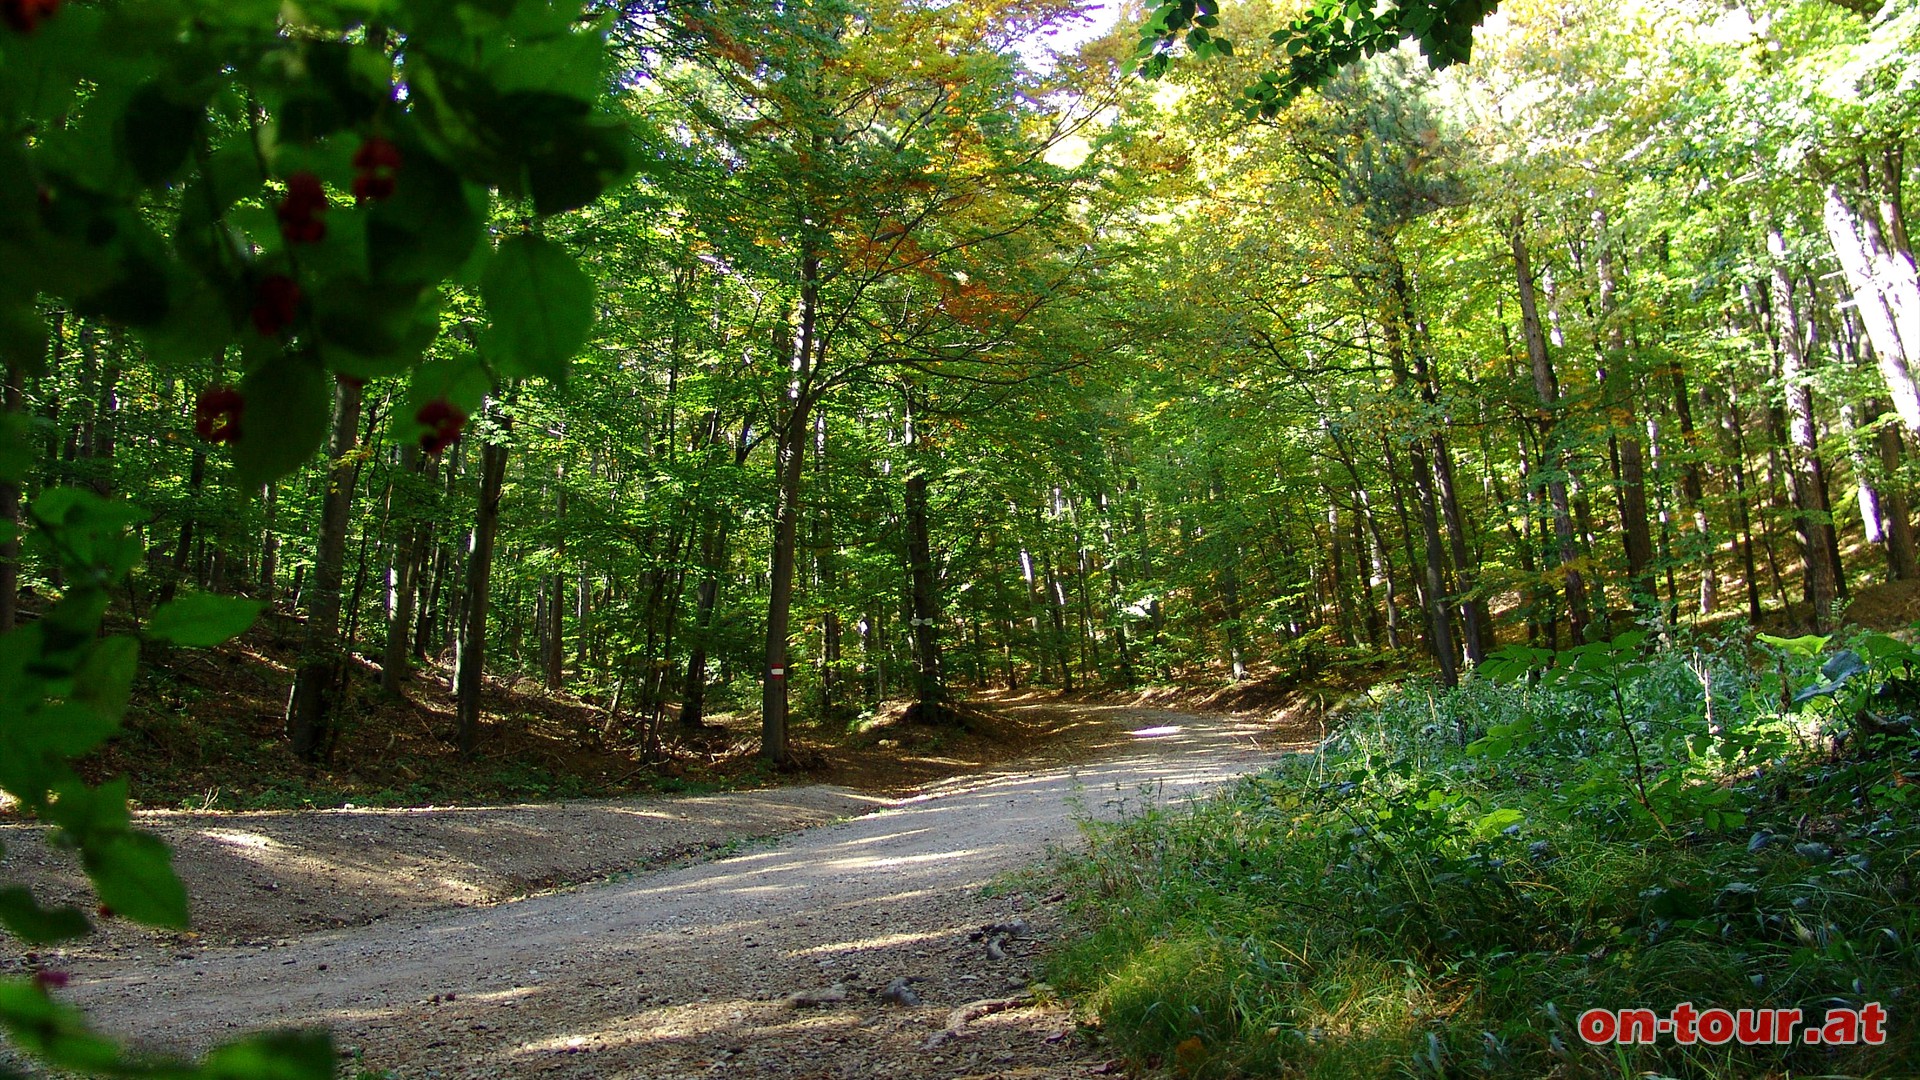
{"points": [[1494, 821], [579, 161], [67, 729], [36, 925], [1808, 645], [203, 619], [133, 875], [284, 418], [84, 811], [278, 1055], [104, 681], [157, 132], [541, 304], [52, 1030]]}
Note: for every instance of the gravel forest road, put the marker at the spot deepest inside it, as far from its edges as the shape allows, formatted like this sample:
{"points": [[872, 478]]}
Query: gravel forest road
{"points": [[695, 970]]}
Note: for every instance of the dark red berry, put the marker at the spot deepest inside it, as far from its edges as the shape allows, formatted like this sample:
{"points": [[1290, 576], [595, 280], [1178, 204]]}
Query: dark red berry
{"points": [[216, 416], [300, 211], [27, 15], [275, 303], [378, 160], [443, 423], [376, 153]]}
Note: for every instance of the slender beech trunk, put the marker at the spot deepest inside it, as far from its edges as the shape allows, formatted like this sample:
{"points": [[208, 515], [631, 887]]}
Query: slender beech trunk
{"points": [[470, 657], [403, 574], [1806, 477], [1546, 386], [553, 659], [322, 665], [1901, 557], [269, 540], [1617, 397], [1886, 295], [827, 570], [1439, 619], [929, 689], [1742, 510], [10, 392], [713, 560], [183, 549], [790, 457]]}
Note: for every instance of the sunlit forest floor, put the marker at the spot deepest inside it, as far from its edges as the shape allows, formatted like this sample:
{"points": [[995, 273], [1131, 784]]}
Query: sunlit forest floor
{"points": [[205, 733]]}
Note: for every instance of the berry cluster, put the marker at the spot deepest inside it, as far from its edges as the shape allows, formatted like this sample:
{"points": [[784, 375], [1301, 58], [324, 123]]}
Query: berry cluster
{"points": [[26, 15], [300, 211], [443, 423], [216, 416], [377, 161], [276, 300]]}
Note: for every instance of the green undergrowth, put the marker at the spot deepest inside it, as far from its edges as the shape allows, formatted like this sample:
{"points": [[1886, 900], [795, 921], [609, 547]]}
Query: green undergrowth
{"points": [[1448, 883]]}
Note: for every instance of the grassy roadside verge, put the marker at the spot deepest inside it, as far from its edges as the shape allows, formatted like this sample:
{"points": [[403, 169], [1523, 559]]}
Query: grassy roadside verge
{"points": [[1455, 877]]}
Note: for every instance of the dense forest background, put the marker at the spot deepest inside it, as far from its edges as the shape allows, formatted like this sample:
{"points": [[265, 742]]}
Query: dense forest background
{"points": [[764, 363], [922, 360]]}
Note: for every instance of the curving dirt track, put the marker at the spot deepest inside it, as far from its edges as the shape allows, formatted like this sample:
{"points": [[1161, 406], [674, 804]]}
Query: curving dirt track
{"points": [[691, 971]]}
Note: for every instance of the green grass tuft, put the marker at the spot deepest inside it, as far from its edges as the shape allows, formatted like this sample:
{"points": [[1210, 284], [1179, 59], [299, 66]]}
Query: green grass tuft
{"points": [[1453, 879]]}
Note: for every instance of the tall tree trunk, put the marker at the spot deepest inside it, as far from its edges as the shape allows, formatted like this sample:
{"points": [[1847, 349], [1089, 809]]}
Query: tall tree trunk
{"points": [[10, 491], [1546, 386], [1475, 619], [1742, 510], [1901, 559], [1693, 492], [790, 457], [1617, 398], [553, 652], [403, 574], [827, 572], [1806, 478], [1886, 296], [322, 667], [269, 540], [929, 688], [470, 657], [713, 561], [183, 549], [1056, 599], [1439, 620]]}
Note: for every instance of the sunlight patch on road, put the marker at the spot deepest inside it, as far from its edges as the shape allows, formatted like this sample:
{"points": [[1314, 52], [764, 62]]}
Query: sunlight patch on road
{"points": [[869, 862], [1156, 732], [683, 1022], [239, 838], [882, 941]]}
